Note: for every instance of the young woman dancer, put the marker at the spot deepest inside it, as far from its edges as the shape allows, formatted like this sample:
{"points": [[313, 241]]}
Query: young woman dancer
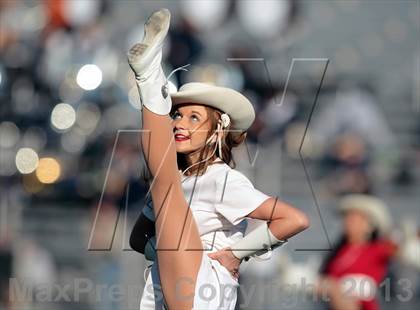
{"points": [[191, 215]]}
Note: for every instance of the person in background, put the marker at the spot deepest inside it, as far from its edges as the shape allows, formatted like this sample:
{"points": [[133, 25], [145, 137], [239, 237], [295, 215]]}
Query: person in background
{"points": [[351, 274]]}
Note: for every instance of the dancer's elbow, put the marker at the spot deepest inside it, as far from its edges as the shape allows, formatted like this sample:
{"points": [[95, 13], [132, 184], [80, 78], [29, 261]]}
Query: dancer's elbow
{"points": [[301, 220]]}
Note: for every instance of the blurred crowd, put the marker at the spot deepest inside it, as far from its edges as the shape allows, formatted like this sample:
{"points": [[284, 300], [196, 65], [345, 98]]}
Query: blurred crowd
{"points": [[70, 110]]}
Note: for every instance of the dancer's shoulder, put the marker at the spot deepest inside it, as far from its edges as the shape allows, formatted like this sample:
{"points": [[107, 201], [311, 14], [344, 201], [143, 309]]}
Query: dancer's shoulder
{"points": [[231, 176]]}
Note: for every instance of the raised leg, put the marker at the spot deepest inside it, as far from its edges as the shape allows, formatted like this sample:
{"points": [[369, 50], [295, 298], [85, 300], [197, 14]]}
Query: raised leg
{"points": [[178, 241], [176, 230]]}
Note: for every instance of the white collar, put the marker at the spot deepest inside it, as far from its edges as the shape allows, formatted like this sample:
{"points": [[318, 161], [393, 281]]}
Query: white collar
{"points": [[184, 177]]}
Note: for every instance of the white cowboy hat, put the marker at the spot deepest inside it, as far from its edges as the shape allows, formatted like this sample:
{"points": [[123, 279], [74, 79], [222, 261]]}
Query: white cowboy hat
{"points": [[372, 206], [233, 103]]}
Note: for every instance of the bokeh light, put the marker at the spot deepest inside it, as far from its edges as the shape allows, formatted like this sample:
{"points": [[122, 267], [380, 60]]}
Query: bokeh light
{"points": [[63, 116], [68, 90], [89, 77], [88, 116], [73, 142], [34, 19], [26, 160], [205, 14], [264, 19], [81, 12], [35, 138], [9, 134], [31, 183], [7, 162], [48, 170]]}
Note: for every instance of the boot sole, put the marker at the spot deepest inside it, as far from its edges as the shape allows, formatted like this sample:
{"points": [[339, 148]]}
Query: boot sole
{"points": [[155, 30]]}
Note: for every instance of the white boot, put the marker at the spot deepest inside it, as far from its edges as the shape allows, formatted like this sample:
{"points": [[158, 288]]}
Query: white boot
{"points": [[145, 60]]}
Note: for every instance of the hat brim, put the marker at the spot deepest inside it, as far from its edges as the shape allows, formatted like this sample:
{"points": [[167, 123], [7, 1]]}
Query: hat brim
{"points": [[237, 106]]}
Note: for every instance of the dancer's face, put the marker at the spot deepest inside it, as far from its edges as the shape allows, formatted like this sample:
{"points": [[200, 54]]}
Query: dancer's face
{"points": [[191, 126], [356, 225]]}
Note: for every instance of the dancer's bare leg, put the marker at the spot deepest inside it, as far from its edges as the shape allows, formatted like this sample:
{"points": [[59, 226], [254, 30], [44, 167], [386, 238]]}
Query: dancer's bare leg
{"points": [[175, 224], [176, 230]]}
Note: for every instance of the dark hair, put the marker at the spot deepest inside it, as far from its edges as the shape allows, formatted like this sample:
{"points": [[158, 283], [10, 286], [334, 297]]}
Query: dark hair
{"points": [[342, 241], [230, 140]]}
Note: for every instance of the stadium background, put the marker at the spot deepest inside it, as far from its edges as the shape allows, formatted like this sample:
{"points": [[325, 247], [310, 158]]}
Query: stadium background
{"points": [[336, 88]]}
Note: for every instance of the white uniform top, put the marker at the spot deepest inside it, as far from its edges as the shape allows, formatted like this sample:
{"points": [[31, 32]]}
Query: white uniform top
{"points": [[220, 200]]}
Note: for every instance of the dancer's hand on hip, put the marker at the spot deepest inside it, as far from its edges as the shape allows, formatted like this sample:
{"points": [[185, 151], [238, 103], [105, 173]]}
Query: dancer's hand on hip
{"points": [[226, 258]]}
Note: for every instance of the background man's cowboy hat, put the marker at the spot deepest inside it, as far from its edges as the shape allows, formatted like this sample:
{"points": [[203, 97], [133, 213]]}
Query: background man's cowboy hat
{"points": [[236, 105]]}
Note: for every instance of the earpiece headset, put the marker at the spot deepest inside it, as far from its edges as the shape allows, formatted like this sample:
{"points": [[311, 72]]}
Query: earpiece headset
{"points": [[222, 124]]}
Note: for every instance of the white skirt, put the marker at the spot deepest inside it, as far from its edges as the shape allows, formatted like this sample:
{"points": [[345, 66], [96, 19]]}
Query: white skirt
{"points": [[215, 288]]}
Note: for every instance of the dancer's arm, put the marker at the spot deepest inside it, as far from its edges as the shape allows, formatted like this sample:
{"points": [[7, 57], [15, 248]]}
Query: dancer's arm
{"points": [[284, 221]]}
